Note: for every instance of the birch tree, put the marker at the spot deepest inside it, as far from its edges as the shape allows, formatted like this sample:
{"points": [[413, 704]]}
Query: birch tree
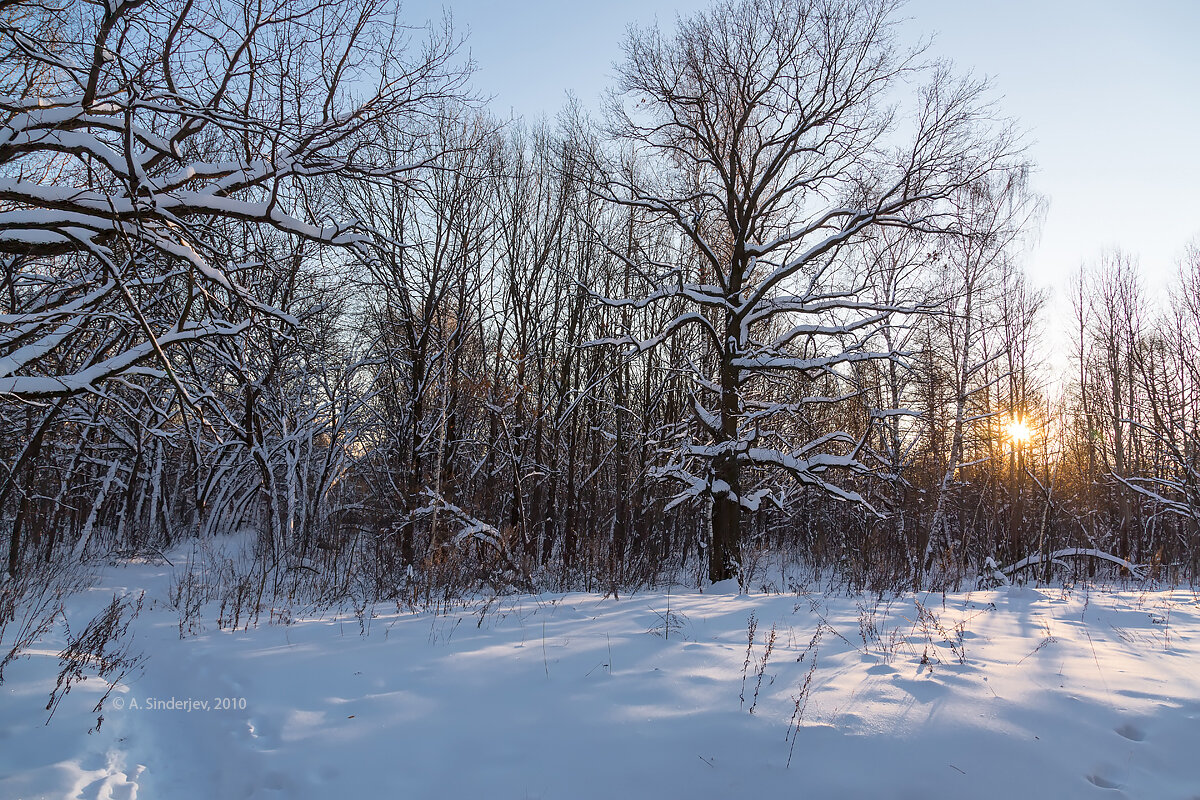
{"points": [[995, 217]]}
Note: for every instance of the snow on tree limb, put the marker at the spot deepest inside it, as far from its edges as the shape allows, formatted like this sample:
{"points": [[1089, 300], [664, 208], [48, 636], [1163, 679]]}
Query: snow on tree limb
{"points": [[144, 149], [1074, 552]]}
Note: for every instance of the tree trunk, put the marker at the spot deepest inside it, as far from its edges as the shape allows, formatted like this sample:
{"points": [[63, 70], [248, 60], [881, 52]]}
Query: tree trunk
{"points": [[727, 511]]}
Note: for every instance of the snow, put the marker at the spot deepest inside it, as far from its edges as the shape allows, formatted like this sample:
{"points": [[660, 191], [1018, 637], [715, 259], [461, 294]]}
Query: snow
{"points": [[1059, 693]]}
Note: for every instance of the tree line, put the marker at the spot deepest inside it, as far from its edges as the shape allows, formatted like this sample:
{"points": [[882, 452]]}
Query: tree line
{"points": [[273, 267]]}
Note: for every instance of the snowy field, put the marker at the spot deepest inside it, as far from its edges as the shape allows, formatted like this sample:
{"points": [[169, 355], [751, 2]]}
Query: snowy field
{"points": [[1010, 693]]}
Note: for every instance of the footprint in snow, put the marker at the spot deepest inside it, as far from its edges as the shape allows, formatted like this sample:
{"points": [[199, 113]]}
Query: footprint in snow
{"points": [[1131, 732], [1100, 781]]}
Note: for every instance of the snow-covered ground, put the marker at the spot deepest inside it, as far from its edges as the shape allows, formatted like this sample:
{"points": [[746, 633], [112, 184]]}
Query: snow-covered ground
{"points": [[1012, 693]]}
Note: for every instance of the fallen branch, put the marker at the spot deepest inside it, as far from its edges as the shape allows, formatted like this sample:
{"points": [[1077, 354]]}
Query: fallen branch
{"points": [[1076, 552]]}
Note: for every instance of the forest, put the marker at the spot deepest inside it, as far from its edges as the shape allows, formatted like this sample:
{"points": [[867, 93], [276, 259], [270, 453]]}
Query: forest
{"points": [[274, 266]]}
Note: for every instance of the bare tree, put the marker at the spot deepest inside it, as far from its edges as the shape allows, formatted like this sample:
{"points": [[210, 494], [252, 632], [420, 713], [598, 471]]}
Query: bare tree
{"points": [[771, 149], [156, 157], [133, 129], [995, 217], [1118, 317], [1166, 422]]}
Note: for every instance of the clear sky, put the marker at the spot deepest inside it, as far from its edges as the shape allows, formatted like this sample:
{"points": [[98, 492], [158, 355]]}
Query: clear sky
{"points": [[1108, 90]]}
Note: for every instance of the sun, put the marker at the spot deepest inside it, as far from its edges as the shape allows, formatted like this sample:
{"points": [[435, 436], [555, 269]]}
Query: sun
{"points": [[1019, 431]]}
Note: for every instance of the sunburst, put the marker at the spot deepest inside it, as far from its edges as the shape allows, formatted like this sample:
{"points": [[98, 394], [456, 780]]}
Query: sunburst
{"points": [[1019, 431]]}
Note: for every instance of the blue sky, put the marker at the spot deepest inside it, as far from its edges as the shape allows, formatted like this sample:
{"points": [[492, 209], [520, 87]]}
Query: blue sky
{"points": [[1110, 95], [1108, 91]]}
